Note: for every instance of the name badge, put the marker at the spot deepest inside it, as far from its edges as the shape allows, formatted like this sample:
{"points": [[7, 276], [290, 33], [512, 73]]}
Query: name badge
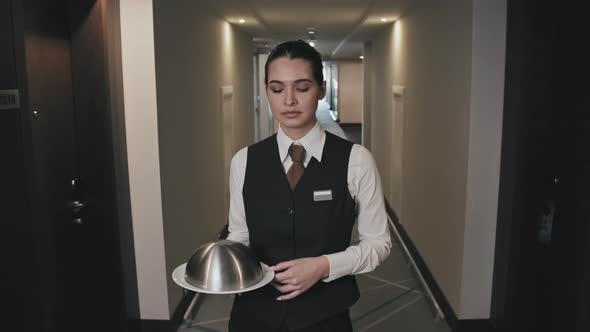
{"points": [[322, 195]]}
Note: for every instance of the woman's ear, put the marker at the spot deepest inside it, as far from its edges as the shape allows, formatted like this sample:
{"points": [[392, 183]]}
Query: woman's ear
{"points": [[322, 91]]}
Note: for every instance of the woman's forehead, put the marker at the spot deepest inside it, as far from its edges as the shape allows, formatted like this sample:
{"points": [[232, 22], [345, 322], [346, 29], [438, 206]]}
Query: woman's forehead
{"points": [[285, 69]]}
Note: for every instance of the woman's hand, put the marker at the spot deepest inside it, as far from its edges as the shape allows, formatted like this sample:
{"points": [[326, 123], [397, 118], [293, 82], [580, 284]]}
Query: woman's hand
{"points": [[299, 275]]}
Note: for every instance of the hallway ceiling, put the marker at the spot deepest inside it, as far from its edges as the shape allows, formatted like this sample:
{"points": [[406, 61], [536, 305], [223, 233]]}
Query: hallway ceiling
{"points": [[342, 25]]}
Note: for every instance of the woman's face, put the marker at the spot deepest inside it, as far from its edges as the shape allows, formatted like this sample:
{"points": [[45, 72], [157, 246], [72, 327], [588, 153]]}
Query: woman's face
{"points": [[293, 95]]}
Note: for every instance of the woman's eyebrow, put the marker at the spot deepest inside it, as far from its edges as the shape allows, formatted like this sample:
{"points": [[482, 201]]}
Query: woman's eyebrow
{"points": [[296, 81]]}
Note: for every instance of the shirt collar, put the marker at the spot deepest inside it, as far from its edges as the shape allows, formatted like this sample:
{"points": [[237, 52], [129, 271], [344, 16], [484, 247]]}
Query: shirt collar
{"points": [[312, 142]]}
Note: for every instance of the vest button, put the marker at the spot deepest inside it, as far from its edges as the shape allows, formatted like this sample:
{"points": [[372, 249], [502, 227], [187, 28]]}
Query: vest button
{"points": [[290, 210]]}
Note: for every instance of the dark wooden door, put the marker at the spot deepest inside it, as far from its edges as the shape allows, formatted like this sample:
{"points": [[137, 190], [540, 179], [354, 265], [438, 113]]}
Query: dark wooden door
{"points": [[543, 235], [570, 291], [54, 158], [97, 189], [77, 276]]}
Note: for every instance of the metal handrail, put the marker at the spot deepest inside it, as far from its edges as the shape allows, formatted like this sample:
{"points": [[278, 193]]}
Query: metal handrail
{"points": [[438, 312]]}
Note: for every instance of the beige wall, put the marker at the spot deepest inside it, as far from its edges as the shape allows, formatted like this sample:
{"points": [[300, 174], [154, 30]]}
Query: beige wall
{"points": [[434, 53], [266, 121], [367, 88], [141, 125], [485, 140], [381, 78], [196, 54], [350, 84]]}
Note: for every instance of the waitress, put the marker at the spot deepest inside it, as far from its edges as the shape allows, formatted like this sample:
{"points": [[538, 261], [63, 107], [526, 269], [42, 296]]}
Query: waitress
{"points": [[295, 197]]}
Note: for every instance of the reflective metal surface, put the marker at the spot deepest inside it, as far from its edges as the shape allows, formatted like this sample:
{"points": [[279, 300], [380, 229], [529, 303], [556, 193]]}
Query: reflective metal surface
{"points": [[223, 265]]}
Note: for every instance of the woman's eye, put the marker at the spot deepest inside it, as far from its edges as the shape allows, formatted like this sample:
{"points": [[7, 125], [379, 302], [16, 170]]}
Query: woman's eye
{"points": [[302, 89], [276, 91]]}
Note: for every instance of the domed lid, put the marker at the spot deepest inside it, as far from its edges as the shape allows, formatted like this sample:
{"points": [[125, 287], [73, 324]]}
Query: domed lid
{"points": [[223, 266]]}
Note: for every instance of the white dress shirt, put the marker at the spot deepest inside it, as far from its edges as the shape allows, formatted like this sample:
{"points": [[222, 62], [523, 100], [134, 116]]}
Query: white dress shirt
{"points": [[364, 185]]}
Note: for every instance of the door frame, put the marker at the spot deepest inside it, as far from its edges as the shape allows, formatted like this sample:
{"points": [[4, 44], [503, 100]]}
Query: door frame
{"points": [[112, 25], [113, 80]]}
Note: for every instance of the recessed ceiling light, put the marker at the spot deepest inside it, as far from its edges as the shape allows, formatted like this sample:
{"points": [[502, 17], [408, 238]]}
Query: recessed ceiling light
{"points": [[312, 44], [383, 19], [361, 57], [241, 21], [311, 32]]}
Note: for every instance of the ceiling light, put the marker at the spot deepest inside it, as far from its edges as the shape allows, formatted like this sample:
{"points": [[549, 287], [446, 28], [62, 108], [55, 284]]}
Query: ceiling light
{"points": [[361, 57], [311, 32], [241, 21], [383, 19]]}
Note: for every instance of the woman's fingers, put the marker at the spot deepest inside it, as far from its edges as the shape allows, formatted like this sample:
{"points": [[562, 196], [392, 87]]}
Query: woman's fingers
{"points": [[296, 276], [290, 296], [286, 288], [284, 276], [283, 265]]}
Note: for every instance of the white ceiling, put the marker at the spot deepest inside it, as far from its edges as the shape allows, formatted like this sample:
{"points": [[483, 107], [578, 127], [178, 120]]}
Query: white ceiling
{"points": [[342, 25]]}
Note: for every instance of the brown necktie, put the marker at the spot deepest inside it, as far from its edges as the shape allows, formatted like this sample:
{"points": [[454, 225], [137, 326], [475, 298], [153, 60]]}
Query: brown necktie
{"points": [[295, 172]]}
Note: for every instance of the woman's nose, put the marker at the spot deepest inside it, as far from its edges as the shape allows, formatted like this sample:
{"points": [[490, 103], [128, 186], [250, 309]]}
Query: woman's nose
{"points": [[290, 99]]}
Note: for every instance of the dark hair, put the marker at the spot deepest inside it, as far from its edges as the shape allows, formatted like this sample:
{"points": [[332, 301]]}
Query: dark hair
{"points": [[297, 49]]}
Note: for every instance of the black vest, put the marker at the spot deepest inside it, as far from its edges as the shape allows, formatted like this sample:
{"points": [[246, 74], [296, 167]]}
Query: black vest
{"points": [[286, 224]]}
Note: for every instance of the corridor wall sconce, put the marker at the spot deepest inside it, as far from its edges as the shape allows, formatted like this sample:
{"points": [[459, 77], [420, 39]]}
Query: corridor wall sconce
{"points": [[241, 21], [383, 19], [361, 57]]}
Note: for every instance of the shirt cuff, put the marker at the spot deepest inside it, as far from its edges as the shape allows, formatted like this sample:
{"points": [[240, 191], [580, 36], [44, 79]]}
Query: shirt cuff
{"points": [[242, 237], [341, 264]]}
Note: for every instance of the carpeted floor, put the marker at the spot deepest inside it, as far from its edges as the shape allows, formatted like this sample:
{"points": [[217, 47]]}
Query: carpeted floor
{"points": [[354, 132], [326, 121]]}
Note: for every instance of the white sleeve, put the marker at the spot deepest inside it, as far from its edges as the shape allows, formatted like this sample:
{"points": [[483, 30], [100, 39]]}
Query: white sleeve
{"points": [[375, 240], [238, 229]]}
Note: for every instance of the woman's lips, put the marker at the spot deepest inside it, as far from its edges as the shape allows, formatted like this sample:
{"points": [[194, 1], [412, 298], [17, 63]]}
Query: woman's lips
{"points": [[291, 114]]}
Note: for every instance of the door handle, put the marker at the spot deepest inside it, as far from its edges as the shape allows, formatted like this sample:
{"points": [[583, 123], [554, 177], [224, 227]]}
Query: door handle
{"points": [[77, 206]]}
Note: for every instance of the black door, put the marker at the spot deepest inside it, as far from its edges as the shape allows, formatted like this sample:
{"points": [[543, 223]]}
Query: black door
{"points": [[77, 279], [543, 235]]}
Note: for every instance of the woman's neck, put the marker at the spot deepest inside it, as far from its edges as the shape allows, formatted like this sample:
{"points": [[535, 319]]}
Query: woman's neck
{"points": [[298, 133]]}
